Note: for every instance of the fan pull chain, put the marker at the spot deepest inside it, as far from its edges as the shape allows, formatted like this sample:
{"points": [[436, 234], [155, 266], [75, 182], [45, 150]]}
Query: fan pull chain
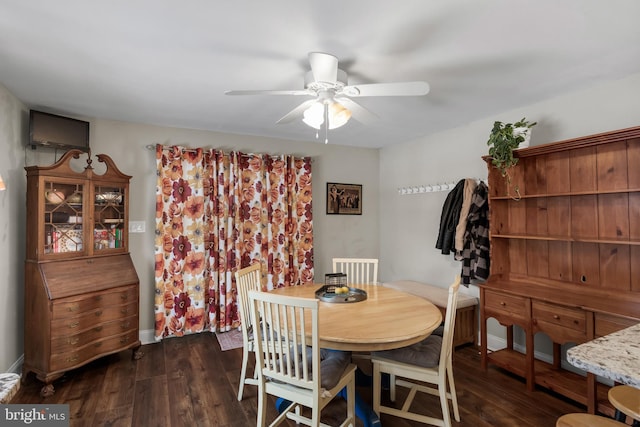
{"points": [[326, 123]]}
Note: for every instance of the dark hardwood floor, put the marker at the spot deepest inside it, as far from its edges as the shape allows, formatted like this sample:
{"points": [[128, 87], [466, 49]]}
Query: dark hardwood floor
{"points": [[189, 382]]}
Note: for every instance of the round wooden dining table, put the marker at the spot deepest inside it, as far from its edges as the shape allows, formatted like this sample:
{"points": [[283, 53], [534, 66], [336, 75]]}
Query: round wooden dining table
{"points": [[387, 319]]}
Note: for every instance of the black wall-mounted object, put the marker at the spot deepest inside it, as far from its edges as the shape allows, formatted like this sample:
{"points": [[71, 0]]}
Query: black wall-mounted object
{"points": [[60, 132]]}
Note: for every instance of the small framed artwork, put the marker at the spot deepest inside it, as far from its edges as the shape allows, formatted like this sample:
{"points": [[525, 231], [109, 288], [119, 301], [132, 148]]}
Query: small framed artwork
{"points": [[344, 199]]}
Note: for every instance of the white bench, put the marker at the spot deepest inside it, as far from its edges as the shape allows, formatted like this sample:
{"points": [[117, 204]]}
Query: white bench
{"points": [[466, 327]]}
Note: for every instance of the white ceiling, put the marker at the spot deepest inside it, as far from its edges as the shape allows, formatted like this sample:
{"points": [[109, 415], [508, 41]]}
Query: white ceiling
{"points": [[169, 62]]}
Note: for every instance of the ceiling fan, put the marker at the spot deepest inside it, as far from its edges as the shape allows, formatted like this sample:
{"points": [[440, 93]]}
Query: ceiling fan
{"points": [[331, 104]]}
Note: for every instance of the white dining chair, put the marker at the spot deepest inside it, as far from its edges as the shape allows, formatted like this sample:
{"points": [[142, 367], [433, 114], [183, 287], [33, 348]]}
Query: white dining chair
{"points": [[358, 270], [289, 365], [247, 279], [427, 362]]}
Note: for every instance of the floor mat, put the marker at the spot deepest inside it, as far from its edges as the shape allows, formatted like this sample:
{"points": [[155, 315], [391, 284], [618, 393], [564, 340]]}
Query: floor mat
{"points": [[230, 339]]}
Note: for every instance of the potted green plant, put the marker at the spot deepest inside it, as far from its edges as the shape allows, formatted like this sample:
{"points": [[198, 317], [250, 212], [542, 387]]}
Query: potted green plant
{"points": [[504, 138]]}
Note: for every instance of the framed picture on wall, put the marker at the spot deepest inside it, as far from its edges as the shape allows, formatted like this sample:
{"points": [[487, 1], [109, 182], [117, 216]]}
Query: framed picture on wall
{"points": [[344, 199]]}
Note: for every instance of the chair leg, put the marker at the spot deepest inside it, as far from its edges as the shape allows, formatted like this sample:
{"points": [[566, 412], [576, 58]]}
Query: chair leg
{"points": [[351, 403], [452, 391], [262, 407], [392, 387], [444, 401], [243, 372]]}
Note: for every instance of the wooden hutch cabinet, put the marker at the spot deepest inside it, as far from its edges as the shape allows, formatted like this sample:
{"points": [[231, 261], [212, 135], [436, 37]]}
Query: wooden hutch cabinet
{"points": [[565, 258], [81, 288]]}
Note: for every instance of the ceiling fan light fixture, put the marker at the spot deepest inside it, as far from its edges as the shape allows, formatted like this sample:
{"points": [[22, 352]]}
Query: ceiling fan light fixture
{"points": [[314, 115], [338, 115]]}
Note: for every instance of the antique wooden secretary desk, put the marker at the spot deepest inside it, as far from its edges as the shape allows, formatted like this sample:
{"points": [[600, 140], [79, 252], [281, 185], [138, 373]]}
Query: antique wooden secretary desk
{"points": [[81, 288]]}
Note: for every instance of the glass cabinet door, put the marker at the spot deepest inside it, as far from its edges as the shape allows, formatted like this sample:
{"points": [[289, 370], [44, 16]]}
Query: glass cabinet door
{"points": [[109, 218], [63, 214]]}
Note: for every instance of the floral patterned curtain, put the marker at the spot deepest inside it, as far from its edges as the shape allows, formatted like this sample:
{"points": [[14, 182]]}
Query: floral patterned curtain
{"points": [[217, 213]]}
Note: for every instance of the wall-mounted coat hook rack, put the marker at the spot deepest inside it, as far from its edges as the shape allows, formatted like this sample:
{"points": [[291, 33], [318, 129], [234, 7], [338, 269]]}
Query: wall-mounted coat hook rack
{"points": [[431, 188]]}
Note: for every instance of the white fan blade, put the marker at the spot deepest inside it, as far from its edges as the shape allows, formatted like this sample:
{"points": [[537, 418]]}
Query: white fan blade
{"points": [[296, 112], [270, 92], [358, 112], [324, 67], [387, 89]]}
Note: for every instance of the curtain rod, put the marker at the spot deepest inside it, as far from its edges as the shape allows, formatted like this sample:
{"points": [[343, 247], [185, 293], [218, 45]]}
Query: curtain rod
{"points": [[431, 188], [152, 147]]}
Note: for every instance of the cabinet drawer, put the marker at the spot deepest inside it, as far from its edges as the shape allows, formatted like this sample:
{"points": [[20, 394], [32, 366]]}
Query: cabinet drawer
{"points": [[72, 306], [606, 324], [512, 305], [562, 324], [87, 320], [108, 329], [62, 361]]}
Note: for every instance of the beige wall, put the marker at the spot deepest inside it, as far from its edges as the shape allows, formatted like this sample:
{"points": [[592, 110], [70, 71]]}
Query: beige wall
{"points": [[334, 235], [13, 123]]}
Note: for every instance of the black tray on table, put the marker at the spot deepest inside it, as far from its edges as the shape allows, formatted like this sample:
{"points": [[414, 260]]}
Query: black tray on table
{"points": [[327, 294]]}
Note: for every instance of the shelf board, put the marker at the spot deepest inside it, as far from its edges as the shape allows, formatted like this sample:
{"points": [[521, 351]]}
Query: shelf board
{"points": [[511, 360], [566, 239], [568, 194], [560, 381]]}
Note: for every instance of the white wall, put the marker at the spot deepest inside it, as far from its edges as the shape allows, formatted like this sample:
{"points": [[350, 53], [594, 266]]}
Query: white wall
{"points": [[409, 223], [13, 122]]}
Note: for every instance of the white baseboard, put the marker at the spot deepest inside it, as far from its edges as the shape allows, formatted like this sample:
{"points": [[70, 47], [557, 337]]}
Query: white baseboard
{"points": [[147, 336], [497, 343], [16, 368]]}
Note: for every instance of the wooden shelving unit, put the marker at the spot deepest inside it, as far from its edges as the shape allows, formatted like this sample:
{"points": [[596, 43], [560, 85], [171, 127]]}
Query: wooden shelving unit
{"points": [[565, 258]]}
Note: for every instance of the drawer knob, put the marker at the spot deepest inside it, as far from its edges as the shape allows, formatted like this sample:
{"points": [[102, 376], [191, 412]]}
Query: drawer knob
{"points": [[502, 303], [99, 313], [73, 341], [555, 316], [124, 340], [124, 297], [72, 359], [125, 310], [126, 325], [98, 344], [97, 328], [73, 325], [98, 297], [74, 307]]}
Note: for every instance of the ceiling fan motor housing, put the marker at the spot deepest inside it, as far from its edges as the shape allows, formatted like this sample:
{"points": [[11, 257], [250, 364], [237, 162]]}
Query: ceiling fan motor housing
{"points": [[312, 84]]}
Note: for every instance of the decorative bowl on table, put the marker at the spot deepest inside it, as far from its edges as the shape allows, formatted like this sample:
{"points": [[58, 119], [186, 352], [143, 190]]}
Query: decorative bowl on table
{"points": [[335, 289], [340, 294]]}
